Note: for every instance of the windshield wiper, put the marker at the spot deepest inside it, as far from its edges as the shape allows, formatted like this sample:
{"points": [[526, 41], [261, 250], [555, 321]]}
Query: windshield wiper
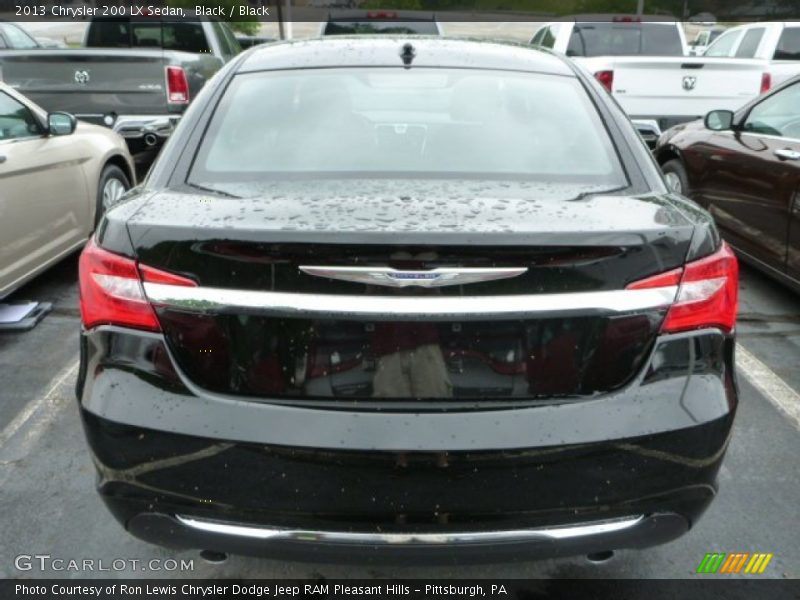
{"points": [[203, 188], [584, 195]]}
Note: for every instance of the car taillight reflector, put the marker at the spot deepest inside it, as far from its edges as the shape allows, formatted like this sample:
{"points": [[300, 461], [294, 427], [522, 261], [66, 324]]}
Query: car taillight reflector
{"points": [[667, 279], [708, 293], [766, 83], [606, 79], [177, 86], [111, 289]]}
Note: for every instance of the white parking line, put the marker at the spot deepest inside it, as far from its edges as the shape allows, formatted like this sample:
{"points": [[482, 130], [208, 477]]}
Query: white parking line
{"points": [[766, 381], [35, 408]]}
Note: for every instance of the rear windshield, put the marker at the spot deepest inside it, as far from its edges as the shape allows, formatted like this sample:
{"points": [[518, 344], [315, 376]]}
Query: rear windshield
{"points": [[418, 122], [123, 33], [789, 44], [394, 26], [625, 39]]}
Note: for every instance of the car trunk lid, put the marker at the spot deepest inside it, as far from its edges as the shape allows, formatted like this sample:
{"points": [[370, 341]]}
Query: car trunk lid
{"points": [[265, 322]]}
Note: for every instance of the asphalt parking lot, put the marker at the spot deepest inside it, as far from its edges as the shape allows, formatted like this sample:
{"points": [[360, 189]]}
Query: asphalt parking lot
{"points": [[49, 505]]}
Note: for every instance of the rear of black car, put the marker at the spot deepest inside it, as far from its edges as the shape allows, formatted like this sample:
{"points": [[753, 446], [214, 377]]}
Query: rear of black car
{"points": [[394, 316]]}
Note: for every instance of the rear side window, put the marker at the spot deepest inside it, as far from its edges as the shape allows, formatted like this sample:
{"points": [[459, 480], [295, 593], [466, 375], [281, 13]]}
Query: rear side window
{"points": [[380, 122], [548, 38], [625, 39], [723, 47], [16, 120], [750, 43], [122, 33], [392, 26], [789, 44]]}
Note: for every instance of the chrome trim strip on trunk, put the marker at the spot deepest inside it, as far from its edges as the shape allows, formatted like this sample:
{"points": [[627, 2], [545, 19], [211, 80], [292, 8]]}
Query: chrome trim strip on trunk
{"points": [[399, 308], [432, 278], [373, 538]]}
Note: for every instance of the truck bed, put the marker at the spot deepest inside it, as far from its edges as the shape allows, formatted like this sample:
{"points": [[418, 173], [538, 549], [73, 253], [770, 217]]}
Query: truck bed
{"points": [[92, 83]]}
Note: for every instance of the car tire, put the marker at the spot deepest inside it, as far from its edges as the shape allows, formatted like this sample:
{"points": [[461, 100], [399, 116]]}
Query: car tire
{"points": [[676, 176], [112, 184]]}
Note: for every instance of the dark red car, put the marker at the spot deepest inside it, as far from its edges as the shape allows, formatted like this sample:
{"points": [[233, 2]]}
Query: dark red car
{"points": [[744, 168]]}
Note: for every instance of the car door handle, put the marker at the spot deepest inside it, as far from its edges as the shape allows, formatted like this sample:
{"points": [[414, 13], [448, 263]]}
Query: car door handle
{"points": [[786, 154], [2, 159]]}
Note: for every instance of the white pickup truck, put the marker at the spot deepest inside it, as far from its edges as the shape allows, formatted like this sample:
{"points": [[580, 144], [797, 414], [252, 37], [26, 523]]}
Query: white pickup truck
{"points": [[775, 44], [643, 63]]}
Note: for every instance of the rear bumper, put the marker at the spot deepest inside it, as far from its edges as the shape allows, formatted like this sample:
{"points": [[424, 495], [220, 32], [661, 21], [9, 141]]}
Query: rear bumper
{"points": [[186, 468], [144, 134], [139, 126], [340, 546]]}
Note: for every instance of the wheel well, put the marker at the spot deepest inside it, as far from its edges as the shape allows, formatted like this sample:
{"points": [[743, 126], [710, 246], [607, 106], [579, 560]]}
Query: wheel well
{"points": [[120, 162], [666, 155]]}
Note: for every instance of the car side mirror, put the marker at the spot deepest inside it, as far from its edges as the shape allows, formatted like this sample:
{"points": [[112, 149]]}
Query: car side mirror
{"points": [[719, 120], [61, 123]]}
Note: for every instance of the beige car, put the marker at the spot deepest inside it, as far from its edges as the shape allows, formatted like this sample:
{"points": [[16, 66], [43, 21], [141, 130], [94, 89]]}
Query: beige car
{"points": [[57, 176]]}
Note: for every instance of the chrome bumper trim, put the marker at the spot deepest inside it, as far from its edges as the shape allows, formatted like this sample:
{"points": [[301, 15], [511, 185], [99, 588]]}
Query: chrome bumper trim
{"points": [[136, 126], [566, 532], [220, 300]]}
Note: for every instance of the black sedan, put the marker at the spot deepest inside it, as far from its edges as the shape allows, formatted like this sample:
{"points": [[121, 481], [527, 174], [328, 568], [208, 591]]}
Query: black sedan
{"points": [[406, 298]]}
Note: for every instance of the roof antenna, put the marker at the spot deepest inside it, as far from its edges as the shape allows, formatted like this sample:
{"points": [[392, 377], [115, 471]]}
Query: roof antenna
{"points": [[408, 54]]}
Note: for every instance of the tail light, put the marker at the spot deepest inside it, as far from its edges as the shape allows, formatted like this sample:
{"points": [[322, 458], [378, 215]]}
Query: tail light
{"points": [[177, 86], [606, 79], [111, 290], [766, 82], [708, 291]]}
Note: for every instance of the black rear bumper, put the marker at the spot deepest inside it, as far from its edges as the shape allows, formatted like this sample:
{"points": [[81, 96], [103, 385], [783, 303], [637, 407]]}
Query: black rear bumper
{"points": [[167, 453]]}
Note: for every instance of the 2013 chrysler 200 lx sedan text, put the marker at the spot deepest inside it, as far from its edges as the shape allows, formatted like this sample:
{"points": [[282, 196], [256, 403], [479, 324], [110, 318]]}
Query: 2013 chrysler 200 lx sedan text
{"points": [[406, 298]]}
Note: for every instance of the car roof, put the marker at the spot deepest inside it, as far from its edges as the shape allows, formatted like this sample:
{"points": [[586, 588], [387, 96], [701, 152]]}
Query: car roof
{"points": [[384, 50]]}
